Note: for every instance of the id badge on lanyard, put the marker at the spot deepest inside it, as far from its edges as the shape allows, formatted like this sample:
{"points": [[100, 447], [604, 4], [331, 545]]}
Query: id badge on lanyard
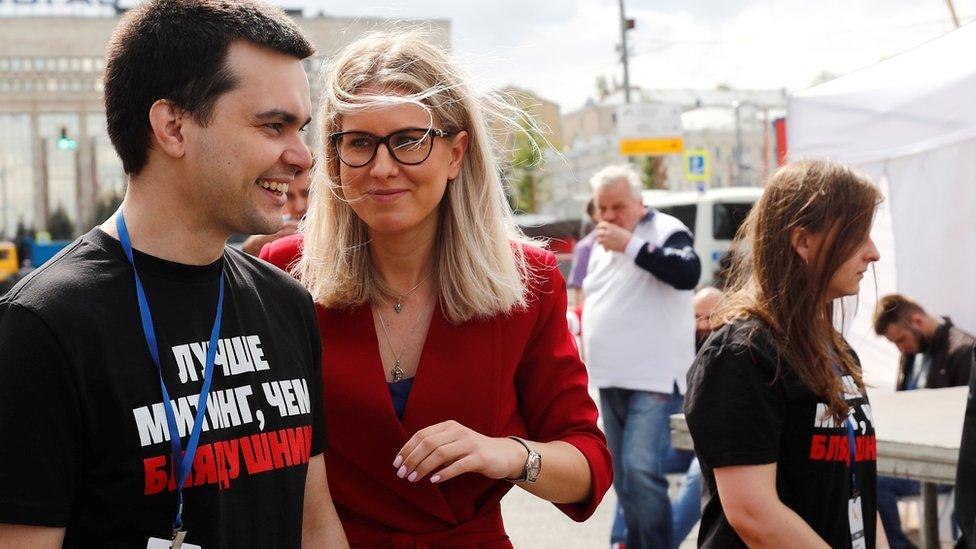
{"points": [[855, 511], [176, 543], [182, 461]]}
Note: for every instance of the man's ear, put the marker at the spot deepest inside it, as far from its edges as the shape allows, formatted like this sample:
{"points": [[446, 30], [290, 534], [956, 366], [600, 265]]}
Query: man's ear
{"points": [[166, 121], [916, 321]]}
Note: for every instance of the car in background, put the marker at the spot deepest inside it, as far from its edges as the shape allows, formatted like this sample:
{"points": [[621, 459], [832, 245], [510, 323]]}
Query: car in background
{"points": [[14, 266], [560, 234], [713, 215], [8, 262]]}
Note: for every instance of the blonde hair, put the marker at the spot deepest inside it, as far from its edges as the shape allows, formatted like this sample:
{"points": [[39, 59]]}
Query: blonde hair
{"points": [[480, 266]]}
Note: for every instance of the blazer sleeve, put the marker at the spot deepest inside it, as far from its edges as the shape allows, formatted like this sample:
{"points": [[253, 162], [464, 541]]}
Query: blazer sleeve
{"points": [[283, 253], [551, 383]]}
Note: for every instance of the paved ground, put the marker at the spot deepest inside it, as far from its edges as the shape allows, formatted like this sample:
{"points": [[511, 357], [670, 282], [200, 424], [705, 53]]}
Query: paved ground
{"points": [[533, 523]]}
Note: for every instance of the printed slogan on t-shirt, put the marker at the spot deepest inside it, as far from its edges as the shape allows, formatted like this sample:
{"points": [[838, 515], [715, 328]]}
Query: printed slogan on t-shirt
{"points": [[223, 461]]}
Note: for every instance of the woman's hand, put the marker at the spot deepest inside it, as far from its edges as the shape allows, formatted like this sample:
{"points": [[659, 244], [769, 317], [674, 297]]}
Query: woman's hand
{"points": [[448, 449]]}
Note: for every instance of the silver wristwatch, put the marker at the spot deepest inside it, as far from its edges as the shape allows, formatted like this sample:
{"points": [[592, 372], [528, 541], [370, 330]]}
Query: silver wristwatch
{"points": [[533, 464]]}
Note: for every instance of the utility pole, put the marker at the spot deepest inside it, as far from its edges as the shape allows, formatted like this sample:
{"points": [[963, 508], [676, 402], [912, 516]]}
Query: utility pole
{"points": [[952, 10], [626, 25], [737, 151]]}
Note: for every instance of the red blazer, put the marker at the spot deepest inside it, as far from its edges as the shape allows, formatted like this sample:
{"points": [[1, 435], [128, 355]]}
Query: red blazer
{"points": [[515, 374]]}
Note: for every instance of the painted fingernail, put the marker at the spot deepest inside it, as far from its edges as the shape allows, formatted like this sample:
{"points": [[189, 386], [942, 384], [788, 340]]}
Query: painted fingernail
{"points": [[412, 477], [435, 478], [398, 461], [402, 471]]}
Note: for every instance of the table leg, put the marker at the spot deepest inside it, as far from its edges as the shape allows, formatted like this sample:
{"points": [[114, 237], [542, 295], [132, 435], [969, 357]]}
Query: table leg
{"points": [[930, 516]]}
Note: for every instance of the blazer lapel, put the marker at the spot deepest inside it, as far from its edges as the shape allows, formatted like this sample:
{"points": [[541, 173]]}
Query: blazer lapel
{"points": [[458, 377], [366, 429]]}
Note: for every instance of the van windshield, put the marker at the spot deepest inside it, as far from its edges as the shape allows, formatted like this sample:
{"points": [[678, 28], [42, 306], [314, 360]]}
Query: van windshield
{"points": [[727, 217], [685, 214]]}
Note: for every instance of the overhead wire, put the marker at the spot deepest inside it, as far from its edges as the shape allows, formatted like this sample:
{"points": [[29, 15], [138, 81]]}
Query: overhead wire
{"points": [[659, 45]]}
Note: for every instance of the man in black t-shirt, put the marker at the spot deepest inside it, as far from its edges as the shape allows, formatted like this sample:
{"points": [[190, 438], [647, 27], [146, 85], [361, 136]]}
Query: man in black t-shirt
{"points": [[147, 363]]}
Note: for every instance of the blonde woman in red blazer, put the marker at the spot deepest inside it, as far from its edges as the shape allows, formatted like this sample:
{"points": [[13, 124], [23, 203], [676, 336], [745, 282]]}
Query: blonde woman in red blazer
{"points": [[450, 374]]}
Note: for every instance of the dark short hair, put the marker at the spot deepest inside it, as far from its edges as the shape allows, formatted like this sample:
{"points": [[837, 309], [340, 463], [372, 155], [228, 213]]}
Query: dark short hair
{"points": [[894, 309], [176, 50]]}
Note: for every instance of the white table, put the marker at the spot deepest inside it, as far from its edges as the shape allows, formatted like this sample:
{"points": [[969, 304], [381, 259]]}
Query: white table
{"points": [[918, 436]]}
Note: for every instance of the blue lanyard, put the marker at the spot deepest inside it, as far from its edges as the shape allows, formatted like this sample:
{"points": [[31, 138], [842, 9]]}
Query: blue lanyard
{"points": [[853, 446], [851, 443], [181, 462]]}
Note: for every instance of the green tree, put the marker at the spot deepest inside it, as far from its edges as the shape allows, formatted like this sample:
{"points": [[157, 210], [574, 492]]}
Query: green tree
{"points": [[653, 172], [602, 87], [106, 205], [22, 230], [59, 225], [526, 168]]}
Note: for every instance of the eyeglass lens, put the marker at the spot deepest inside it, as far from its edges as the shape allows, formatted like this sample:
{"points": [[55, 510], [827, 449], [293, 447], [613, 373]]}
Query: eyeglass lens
{"points": [[407, 147]]}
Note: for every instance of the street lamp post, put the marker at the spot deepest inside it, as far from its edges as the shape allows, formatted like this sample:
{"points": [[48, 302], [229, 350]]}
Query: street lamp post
{"points": [[45, 209]]}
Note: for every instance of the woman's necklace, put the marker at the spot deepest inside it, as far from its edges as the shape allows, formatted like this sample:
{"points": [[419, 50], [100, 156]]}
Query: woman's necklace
{"points": [[397, 372], [398, 306]]}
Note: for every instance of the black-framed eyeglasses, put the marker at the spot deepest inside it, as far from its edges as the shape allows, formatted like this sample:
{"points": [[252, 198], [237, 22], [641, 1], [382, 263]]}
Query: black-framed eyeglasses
{"points": [[410, 146]]}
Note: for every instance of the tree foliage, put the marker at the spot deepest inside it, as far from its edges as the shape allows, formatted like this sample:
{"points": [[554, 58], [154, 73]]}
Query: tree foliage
{"points": [[653, 172], [525, 168], [59, 224], [106, 205]]}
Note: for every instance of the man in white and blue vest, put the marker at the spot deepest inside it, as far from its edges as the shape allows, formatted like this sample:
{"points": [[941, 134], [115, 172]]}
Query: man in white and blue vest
{"points": [[639, 343]]}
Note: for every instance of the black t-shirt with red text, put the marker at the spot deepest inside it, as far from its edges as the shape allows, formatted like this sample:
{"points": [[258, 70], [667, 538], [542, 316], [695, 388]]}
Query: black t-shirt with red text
{"points": [[740, 412], [85, 438]]}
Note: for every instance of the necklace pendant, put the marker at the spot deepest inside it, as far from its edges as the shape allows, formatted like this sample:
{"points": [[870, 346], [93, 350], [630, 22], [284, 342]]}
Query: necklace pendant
{"points": [[398, 306], [397, 371]]}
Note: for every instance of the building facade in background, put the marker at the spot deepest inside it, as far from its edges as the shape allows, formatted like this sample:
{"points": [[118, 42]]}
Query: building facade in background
{"points": [[54, 151], [735, 127]]}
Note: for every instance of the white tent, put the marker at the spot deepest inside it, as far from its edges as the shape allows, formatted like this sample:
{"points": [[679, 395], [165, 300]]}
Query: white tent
{"points": [[909, 122]]}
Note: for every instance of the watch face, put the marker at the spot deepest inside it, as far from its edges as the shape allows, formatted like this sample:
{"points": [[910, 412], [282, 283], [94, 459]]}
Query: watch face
{"points": [[533, 466]]}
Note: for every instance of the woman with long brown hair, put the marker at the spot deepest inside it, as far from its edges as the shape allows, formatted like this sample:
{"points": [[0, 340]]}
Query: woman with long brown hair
{"points": [[776, 404]]}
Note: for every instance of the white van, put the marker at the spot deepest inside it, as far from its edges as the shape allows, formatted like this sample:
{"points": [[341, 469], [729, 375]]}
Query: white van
{"points": [[713, 216]]}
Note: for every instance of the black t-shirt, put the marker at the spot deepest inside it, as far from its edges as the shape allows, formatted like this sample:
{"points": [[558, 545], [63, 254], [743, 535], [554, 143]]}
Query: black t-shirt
{"points": [[740, 413], [85, 439]]}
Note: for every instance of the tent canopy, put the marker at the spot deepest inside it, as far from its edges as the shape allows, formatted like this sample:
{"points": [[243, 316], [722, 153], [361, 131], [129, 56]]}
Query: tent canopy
{"points": [[913, 102], [908, 122]]}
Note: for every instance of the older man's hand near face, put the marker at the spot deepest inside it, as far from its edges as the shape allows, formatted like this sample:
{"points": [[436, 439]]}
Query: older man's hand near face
{"points": [[612, 237]]}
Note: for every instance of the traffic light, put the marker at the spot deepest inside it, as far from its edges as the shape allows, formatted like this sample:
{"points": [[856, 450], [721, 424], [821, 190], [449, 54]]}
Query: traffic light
{"points": [[65, 143]]}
